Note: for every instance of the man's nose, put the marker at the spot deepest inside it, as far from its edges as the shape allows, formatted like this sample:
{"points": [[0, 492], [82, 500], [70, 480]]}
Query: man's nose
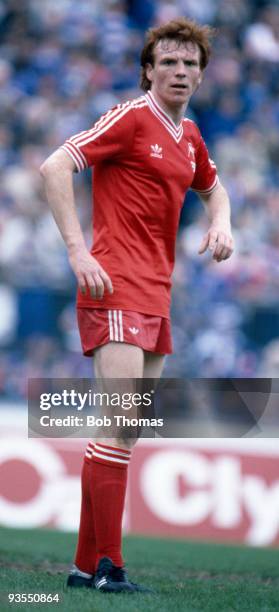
{"points": [[180, 68]]}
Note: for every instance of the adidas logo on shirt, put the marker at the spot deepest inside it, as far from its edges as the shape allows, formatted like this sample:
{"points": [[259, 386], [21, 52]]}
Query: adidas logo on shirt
{"points": [[156, 151], [134, 330]]}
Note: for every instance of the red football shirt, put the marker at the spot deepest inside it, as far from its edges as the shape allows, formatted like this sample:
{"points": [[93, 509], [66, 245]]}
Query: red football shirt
{"points": [[143, 165]]}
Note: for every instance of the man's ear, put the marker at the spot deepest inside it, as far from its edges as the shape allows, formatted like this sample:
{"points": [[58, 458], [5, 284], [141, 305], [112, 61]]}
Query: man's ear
{"points": [[149, 72], [199, 80]]}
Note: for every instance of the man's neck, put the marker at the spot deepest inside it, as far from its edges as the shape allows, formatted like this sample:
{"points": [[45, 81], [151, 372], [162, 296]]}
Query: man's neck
{"points": [[176, 113]]}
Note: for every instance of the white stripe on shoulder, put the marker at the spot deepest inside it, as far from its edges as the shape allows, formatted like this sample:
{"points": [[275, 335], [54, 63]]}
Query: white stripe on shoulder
{"points": [[104, 128], [78, 138], [107, 121], [107, 117]]}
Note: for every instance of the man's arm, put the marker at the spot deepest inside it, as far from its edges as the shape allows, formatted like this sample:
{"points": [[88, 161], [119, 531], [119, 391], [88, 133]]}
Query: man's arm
{"points": [[218, 239], [57, 172]]}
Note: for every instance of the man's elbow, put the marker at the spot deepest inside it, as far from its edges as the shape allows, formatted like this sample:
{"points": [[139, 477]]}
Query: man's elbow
{"points": [[44, 169], [57, 163]]}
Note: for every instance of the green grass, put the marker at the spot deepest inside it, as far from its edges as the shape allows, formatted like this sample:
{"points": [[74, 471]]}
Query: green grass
{"points": [[187, 576]]}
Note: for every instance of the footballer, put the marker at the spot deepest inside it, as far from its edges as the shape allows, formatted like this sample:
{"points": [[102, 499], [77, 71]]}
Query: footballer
{"points": [[146, 154]]}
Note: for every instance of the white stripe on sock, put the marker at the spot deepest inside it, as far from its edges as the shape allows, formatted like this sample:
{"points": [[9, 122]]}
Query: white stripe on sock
{"points": [[112, 451], [110, 458]]}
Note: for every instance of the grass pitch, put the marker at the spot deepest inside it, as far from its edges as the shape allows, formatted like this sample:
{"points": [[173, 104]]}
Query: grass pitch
{"points": [[186, 576]]}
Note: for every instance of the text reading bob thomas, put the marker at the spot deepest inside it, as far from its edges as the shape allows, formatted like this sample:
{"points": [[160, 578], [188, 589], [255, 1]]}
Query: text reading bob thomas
{"points": [[120, 420]]}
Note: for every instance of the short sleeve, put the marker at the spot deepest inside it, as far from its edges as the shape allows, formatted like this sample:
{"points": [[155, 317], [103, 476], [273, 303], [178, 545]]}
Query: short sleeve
{"points": [[111, 137], [205, 178]]}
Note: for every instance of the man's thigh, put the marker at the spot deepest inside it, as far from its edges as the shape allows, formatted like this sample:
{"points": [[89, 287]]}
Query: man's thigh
{"points": [[124, 361], [115, 360], [153, 365], [119, 360]]}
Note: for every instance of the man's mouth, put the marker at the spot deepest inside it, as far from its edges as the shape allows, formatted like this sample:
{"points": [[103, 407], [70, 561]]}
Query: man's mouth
{"points": [[179, 86]]}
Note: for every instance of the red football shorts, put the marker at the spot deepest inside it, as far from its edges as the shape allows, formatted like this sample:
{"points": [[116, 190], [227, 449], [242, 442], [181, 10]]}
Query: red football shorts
{"points": [[99, 326]]}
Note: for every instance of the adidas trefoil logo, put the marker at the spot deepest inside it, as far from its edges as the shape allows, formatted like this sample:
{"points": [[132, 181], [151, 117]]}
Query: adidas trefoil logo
{"points": [[156, 151], [134, 330]]}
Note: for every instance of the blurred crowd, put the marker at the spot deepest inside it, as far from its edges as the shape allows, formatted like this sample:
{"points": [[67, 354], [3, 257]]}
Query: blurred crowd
{"points": [[63, 64]]}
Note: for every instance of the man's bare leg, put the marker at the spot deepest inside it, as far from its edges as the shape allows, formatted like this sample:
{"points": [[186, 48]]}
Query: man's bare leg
{"points": [[153, 365], [119, 360], [107, 480], [110, 460]]}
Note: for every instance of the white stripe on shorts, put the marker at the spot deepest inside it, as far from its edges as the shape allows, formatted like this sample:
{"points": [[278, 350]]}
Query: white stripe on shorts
{"points": [[121, 326], [116, 331], [110, 325], [115, 325]]}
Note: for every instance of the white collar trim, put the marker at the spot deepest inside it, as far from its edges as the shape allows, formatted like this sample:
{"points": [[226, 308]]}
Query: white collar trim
{"points": [[176, 131]]}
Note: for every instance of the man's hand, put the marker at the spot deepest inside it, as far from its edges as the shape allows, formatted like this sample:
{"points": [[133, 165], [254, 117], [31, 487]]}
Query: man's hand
{"points": [[89, 273], [219, 241]]}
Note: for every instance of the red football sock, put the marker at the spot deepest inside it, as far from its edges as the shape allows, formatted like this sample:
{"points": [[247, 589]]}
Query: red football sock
{"points": [[85, 559], [109, 482]]}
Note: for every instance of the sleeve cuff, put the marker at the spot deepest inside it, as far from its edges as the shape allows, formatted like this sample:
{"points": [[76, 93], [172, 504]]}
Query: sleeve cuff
{"points": [[76, 155], [210, 189]]}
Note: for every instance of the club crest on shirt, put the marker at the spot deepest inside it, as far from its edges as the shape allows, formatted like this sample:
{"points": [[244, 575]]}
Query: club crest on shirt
{"points": [[156, 151]]}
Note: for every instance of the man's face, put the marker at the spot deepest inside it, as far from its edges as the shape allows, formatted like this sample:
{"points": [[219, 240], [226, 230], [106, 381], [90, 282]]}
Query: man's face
{"points": [[176, 73]]}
